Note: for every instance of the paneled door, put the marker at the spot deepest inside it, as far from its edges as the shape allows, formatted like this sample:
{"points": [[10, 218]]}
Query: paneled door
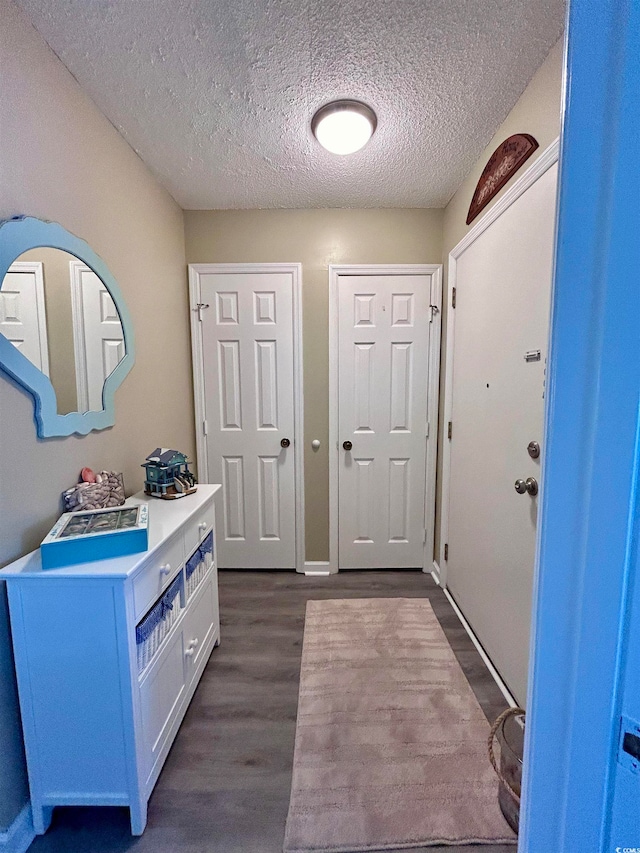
{"points": [[243, 329], [384, 325], [97, 335], [22, 312]]}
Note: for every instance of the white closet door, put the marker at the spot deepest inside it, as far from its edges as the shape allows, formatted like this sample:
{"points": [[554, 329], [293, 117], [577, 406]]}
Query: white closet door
{"points": [[247, 343], [98, 335], [383, 352], [22, 312]]}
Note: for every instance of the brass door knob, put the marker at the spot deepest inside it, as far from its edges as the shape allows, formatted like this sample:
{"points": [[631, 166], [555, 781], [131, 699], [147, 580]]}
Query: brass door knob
{"points": [[347, 445]]}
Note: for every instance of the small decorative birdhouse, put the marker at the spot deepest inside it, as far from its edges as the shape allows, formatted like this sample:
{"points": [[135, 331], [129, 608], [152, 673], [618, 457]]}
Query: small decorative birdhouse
{"points": [[168, 475]]}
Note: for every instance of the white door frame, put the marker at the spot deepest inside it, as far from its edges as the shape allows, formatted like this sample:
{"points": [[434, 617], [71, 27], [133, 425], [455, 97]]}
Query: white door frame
{"points": [[195, 271], [538, 168], [433, 377], [36, 268], [79, 341]]}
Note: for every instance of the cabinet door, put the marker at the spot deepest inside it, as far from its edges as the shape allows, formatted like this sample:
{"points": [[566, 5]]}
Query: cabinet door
{"points": [[199, 627], [197, 528], [161, 693]]}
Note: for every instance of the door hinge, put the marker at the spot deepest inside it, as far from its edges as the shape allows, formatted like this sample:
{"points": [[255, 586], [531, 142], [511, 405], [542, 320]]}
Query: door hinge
{"points": [[453, 297], [424, 536], [205, 428], [449, 430], [427, 429], [446, 552]]}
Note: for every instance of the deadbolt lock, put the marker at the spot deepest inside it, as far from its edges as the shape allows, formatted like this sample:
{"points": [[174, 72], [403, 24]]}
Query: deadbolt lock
{"points": [[533, 449]]}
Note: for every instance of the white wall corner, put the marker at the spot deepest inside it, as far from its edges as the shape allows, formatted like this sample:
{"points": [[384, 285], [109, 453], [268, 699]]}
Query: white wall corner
{"points": [[435, 573], [19, 836]]}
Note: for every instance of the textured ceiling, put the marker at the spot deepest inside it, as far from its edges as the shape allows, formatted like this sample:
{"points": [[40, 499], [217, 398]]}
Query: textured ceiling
{"points": [[216, 96]]}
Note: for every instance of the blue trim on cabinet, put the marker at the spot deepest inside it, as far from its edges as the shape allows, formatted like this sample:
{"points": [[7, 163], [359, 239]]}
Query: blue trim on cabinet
{"points": [[17, 236]]}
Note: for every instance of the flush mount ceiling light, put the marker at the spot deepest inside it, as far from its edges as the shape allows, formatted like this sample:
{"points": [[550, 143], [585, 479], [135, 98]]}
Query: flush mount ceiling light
{"points": [[343, 127]]}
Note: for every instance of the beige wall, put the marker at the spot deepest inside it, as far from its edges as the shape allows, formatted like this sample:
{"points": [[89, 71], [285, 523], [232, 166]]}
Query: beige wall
{"points": [[62, 160], [57, 298], [315, 238], [537, 112]]}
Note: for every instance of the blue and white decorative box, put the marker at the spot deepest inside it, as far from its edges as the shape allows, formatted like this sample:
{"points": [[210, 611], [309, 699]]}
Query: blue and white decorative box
{"points": [[81, 537]]}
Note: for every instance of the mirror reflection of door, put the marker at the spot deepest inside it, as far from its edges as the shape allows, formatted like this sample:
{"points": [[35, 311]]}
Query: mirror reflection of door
{"points": [[58, 313], [97, 334], [23, 318]]}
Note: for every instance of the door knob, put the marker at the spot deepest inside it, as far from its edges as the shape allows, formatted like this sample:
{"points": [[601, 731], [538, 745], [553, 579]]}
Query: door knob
{"points": [[285, 442], [347, 445], [529, 485]]}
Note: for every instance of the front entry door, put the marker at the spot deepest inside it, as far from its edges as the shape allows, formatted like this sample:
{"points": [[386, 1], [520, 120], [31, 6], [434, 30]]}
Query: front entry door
{"points": [[247, 336], [383, 354], [503, 287]]}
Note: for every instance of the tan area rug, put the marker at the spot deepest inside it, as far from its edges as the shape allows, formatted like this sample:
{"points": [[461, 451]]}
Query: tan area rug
{"points": [[390, 747]]}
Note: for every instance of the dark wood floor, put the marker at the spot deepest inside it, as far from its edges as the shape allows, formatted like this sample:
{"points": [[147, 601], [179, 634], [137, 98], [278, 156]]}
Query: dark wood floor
{"points": [[226, 783]]}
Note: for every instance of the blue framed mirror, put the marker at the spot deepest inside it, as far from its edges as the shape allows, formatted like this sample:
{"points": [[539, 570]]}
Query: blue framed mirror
{"points": [[65, 332]]}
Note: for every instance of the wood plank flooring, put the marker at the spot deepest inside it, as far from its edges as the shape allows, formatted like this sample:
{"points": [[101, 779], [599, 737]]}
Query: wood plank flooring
{"points": [[226, 783]]}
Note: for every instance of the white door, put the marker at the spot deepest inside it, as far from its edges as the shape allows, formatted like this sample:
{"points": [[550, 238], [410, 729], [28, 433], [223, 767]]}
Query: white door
{"points": [[503, 286], [22, 312], [383, 359], [247, 369], [98, 335]]}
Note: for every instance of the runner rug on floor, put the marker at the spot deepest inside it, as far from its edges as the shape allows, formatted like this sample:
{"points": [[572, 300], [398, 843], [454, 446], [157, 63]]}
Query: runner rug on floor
{"points": [[391, 744]]}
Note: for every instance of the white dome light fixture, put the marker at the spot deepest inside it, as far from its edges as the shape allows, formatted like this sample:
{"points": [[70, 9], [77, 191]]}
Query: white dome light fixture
{"points": [[343, 127]]}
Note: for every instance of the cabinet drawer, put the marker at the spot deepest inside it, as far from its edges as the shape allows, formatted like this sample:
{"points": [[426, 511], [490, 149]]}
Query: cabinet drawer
{"points": [[160, 696], [199, 625], [156, 575], [197, 528]]}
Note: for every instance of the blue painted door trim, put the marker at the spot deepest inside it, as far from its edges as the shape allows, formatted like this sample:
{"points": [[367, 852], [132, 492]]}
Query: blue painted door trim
{"points": [[583, 588], [17, 236]]}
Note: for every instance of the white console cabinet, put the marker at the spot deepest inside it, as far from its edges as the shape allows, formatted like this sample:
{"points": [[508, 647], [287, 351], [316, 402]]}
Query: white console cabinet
{"points": [[108, 656]]}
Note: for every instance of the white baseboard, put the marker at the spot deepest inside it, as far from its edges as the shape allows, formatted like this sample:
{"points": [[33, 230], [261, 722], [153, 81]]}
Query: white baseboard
{"points": [[317, 568], [18, 837], [476, 642]]}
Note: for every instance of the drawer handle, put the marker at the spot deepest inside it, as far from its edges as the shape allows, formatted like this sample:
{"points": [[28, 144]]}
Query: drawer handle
{"points": [[164, 570], [191, 648]]}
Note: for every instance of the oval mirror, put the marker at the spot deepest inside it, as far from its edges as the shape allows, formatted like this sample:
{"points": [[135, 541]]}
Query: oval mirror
{"points": [[64, 330]]}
